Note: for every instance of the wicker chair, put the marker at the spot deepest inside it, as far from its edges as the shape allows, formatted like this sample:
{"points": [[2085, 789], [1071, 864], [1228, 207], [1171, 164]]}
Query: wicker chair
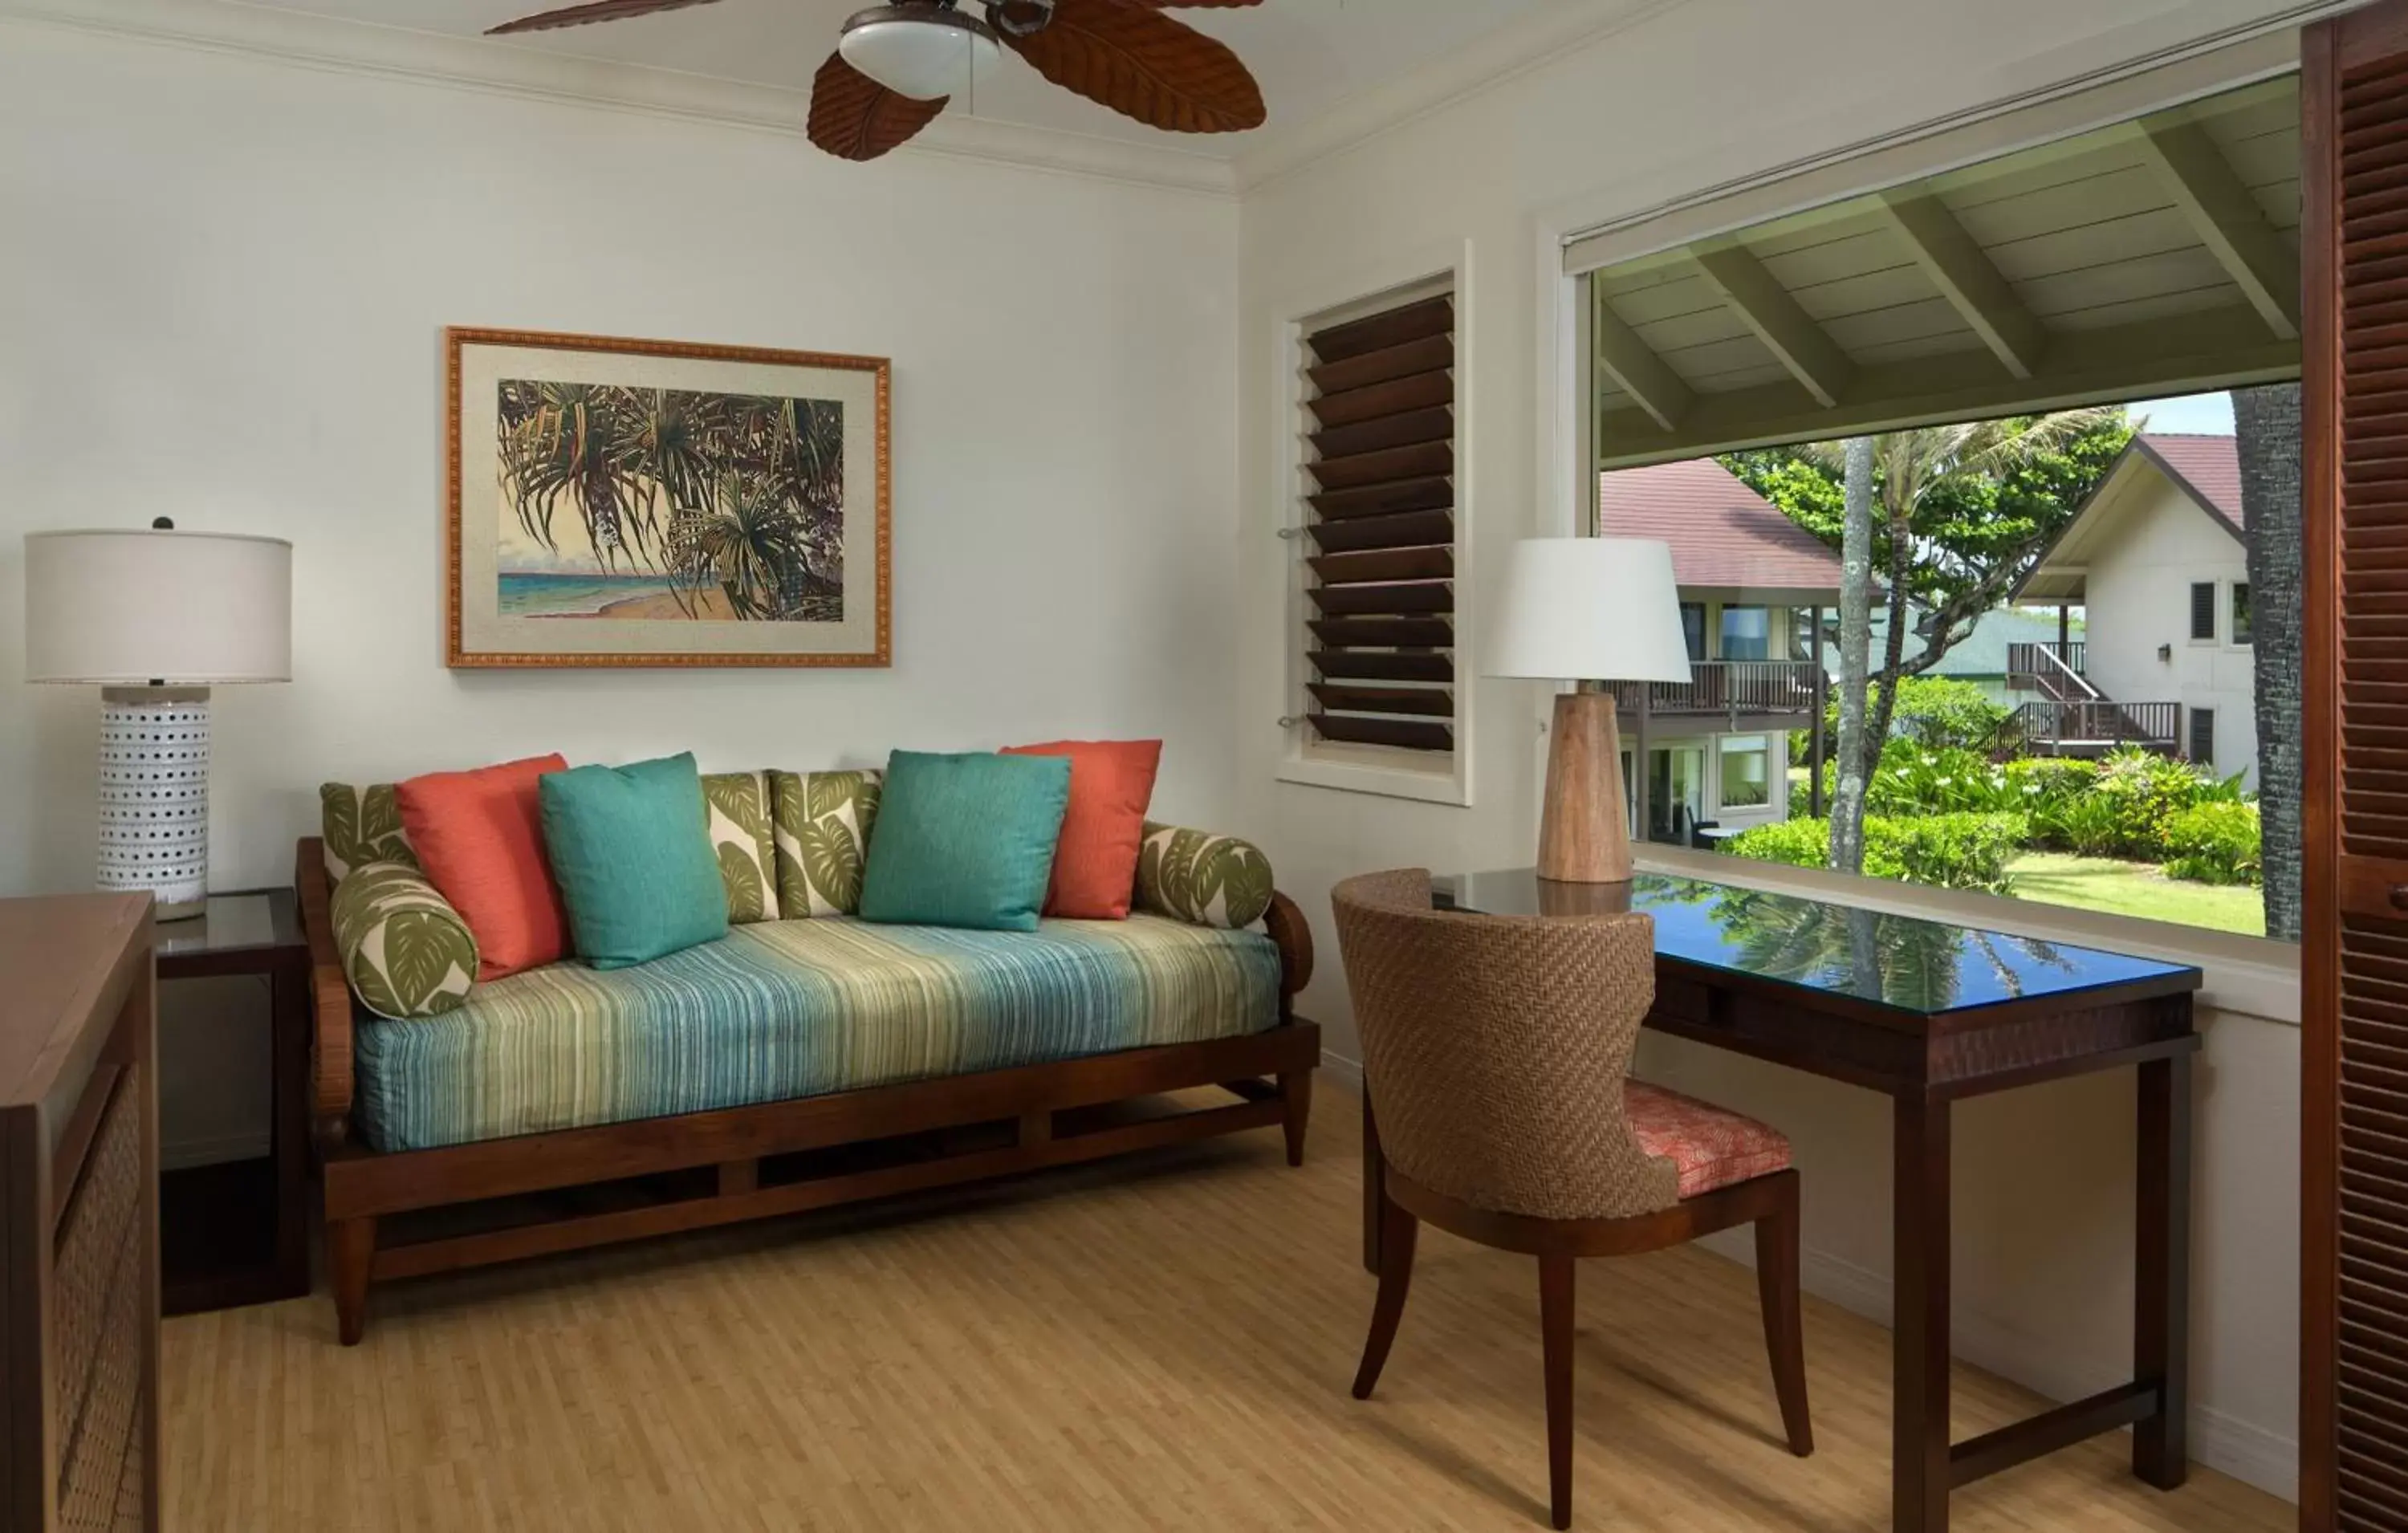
{"points": [[1496, 1052]]}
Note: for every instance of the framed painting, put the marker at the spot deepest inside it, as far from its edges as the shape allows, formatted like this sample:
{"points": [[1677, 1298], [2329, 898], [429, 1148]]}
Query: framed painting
{"points": [[648, 503]]}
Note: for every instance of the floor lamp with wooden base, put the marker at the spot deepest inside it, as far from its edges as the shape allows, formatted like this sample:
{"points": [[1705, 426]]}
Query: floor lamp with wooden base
{"points": [[1587, 610]]}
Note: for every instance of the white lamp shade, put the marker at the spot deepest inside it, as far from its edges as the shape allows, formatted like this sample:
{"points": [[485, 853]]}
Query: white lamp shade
{"points": [[919, 50], [182, 609], [1588, 610]]}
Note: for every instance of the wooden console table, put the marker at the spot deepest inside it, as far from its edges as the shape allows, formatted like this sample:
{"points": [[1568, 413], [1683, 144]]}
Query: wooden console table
{"points": [[1928, 1014], [79, 1216]]}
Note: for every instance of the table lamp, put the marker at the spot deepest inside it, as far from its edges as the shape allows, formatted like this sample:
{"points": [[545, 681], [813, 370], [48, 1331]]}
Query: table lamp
{"points": [[156, 618], [1587, 610]]}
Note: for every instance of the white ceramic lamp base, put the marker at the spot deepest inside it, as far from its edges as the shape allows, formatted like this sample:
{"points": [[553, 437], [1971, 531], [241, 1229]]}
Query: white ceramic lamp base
{"points": [[154, 795]]}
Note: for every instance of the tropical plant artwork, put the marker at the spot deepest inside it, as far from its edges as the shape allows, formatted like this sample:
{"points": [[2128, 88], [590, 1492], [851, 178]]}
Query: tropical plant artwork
{"points": [[637, 503], [623, 504]]}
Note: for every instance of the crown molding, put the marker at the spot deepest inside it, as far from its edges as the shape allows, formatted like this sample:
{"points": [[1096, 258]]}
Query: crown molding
{"points": [[475, 64], [1536, 39]]}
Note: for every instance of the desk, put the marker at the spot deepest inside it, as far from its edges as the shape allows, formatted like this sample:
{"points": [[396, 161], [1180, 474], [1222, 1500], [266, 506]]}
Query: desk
{"points": [[1927, 1014], [237, 1232]]}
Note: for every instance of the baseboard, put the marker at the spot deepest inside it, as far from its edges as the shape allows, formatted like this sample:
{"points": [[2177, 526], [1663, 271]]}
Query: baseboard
{"points": [[1344, 1072], [2218, 1441], [183, 1154]]}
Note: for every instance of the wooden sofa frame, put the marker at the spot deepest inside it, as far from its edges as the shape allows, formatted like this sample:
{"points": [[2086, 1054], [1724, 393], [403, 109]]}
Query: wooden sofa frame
{"points": [[409, 1212]]}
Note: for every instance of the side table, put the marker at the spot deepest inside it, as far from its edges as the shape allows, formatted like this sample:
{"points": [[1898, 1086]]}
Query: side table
{"points": [[237, 1233]]}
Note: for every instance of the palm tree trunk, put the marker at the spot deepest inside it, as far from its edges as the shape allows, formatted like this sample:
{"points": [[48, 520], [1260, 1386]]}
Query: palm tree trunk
{"points": [[2266, 421], [1855, 651]]}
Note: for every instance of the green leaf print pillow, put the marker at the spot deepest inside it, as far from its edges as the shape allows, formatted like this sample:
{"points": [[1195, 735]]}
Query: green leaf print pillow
{"points": [[739, 809], [361, 826], [1202, 879], [822, 824], [404, 948]]}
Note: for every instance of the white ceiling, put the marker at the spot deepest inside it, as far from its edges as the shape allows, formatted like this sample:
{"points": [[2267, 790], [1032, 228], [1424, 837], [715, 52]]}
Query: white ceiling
{"points": [[1309, 55]]}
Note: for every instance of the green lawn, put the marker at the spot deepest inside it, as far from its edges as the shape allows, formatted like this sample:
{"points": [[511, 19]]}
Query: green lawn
{"points": [[2132, 888]]}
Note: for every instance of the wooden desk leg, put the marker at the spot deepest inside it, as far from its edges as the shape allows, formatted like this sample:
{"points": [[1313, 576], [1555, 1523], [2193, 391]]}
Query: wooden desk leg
{"points": [[2161, 1288], [1375, 1197], [1919, 1440]]}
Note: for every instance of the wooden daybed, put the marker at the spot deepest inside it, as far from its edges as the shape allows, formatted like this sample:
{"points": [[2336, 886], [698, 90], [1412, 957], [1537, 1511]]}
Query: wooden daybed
{"points": [[404, 1213]]}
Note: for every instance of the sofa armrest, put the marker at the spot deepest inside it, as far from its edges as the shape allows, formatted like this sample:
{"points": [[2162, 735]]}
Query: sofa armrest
{"points": [[330, 1000], [1287, 926]]}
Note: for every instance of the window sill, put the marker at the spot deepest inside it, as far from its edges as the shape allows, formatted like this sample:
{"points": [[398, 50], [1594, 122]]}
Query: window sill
{"points": [[1451, 787], [2250, 975]]}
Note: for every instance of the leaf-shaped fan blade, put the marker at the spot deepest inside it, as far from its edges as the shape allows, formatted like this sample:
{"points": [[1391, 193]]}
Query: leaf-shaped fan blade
{"points": [[855, 118], [599, 11], [1144, 65]]}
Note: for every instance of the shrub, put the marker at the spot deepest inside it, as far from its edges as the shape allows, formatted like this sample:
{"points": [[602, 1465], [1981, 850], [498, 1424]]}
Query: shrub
{"points": [[2215, 842], [1935, 779], [1944, 851], [1934, 712], [2045, 790]]}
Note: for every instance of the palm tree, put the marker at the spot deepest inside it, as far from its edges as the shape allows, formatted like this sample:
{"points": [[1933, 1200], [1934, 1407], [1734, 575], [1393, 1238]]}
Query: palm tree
{"points": [[559, 442], [1855, 641], [750, 545], [2266, 420]]}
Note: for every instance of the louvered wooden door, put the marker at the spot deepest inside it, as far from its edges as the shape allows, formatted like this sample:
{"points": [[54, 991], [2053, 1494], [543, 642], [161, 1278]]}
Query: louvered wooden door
{"points": [[2353, 1362], [1382, 648]]}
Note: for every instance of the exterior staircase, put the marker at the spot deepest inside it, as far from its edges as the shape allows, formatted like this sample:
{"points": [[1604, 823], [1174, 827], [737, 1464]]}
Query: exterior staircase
{"points": [[2072, 716]]}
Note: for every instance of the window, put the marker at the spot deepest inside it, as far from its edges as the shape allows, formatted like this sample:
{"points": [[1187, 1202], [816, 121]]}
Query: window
{"points": [[1747, 766], [2202, 611], [1747, 633], [1377, 638], [2202, 735], [1676, 793], [1693, 628], [2241, 611]]}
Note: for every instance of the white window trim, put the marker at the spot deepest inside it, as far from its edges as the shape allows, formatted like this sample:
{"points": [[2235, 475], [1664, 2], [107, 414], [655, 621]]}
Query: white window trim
{"points": [[1765, 739], [1379, 770]]}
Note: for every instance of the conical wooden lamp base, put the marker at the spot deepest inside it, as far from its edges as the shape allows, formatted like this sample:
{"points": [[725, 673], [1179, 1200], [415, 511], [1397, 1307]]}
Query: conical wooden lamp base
{"points": [[1583, 834]]}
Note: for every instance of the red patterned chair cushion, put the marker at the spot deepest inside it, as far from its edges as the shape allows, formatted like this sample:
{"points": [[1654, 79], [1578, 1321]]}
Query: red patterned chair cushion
{"points": [[1712, 1148]]}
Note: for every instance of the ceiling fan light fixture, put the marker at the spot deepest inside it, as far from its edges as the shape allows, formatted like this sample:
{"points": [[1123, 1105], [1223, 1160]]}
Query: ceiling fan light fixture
{"points": [[920, 49]]}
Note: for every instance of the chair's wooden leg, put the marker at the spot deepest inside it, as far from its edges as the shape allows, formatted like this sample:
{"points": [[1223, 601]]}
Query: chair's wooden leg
{"points": [[1398, 1232], [1295, 1095], [1785, 1331], [1556, 1307], [351, 1252]]}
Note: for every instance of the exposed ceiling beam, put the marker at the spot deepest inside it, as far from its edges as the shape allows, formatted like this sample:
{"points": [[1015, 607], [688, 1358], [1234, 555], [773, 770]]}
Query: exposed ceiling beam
{"points": [[2226, 218], [2185, 353], [1764, 306], [1632, 364], [1957, 266]]}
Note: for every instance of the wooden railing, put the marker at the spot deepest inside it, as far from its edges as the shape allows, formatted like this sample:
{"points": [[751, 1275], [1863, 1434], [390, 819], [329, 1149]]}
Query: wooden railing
{"points": [[2052, 670], [1732, 688], [2089, 726]]}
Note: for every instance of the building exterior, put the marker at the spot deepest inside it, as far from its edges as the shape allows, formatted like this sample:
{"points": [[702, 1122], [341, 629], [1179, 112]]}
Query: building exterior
{"points": [[1981, 659], [1754, 587], [2157, 559]]}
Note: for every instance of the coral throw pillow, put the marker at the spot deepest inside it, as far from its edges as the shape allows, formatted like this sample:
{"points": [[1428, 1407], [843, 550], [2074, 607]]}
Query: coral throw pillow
{"points": [[479, 838], [1111, 783]]}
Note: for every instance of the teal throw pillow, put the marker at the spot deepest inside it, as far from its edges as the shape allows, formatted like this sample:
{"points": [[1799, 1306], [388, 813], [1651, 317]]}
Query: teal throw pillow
{"points": [[965, 841], [630, 850]]}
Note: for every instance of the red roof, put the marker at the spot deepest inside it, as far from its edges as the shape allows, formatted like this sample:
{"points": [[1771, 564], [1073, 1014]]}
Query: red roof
{"points": [[2209, 466], [1723, 534]]}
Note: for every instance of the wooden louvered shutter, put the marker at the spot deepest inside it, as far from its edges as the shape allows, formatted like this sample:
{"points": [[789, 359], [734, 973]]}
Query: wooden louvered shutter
{"points": [[1381, 643], [2354, 1061]]}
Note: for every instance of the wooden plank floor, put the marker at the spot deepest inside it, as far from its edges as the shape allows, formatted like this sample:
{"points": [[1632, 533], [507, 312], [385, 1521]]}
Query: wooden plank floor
{"points": [[1165, 1343]]}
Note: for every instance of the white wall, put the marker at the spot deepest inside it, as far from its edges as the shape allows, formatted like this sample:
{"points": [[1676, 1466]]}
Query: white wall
{"points": [[224, 282], [1684, 97], [2154, 545]]}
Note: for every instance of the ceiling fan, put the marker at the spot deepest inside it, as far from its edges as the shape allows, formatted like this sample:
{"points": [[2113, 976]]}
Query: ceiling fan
{"points": [[897, 66]]}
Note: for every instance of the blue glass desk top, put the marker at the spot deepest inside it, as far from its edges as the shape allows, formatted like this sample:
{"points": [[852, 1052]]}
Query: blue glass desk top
{"points": [[1906, 963]]}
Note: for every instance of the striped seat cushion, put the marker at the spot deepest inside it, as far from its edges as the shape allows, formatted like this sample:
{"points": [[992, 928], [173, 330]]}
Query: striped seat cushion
{"points": [[789, 1009], [1712, 1147]]}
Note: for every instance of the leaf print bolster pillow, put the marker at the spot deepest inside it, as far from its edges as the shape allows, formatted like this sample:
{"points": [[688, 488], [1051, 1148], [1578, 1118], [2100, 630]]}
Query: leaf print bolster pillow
{"points": [[404, 948], [821, 823], [1202, 879]]}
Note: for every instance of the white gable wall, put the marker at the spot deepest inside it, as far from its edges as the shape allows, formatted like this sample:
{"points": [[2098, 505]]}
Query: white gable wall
{"points": [[2157, 542]]}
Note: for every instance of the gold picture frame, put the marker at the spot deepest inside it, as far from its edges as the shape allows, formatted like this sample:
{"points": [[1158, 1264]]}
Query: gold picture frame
{"points": [[647, 503]]}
